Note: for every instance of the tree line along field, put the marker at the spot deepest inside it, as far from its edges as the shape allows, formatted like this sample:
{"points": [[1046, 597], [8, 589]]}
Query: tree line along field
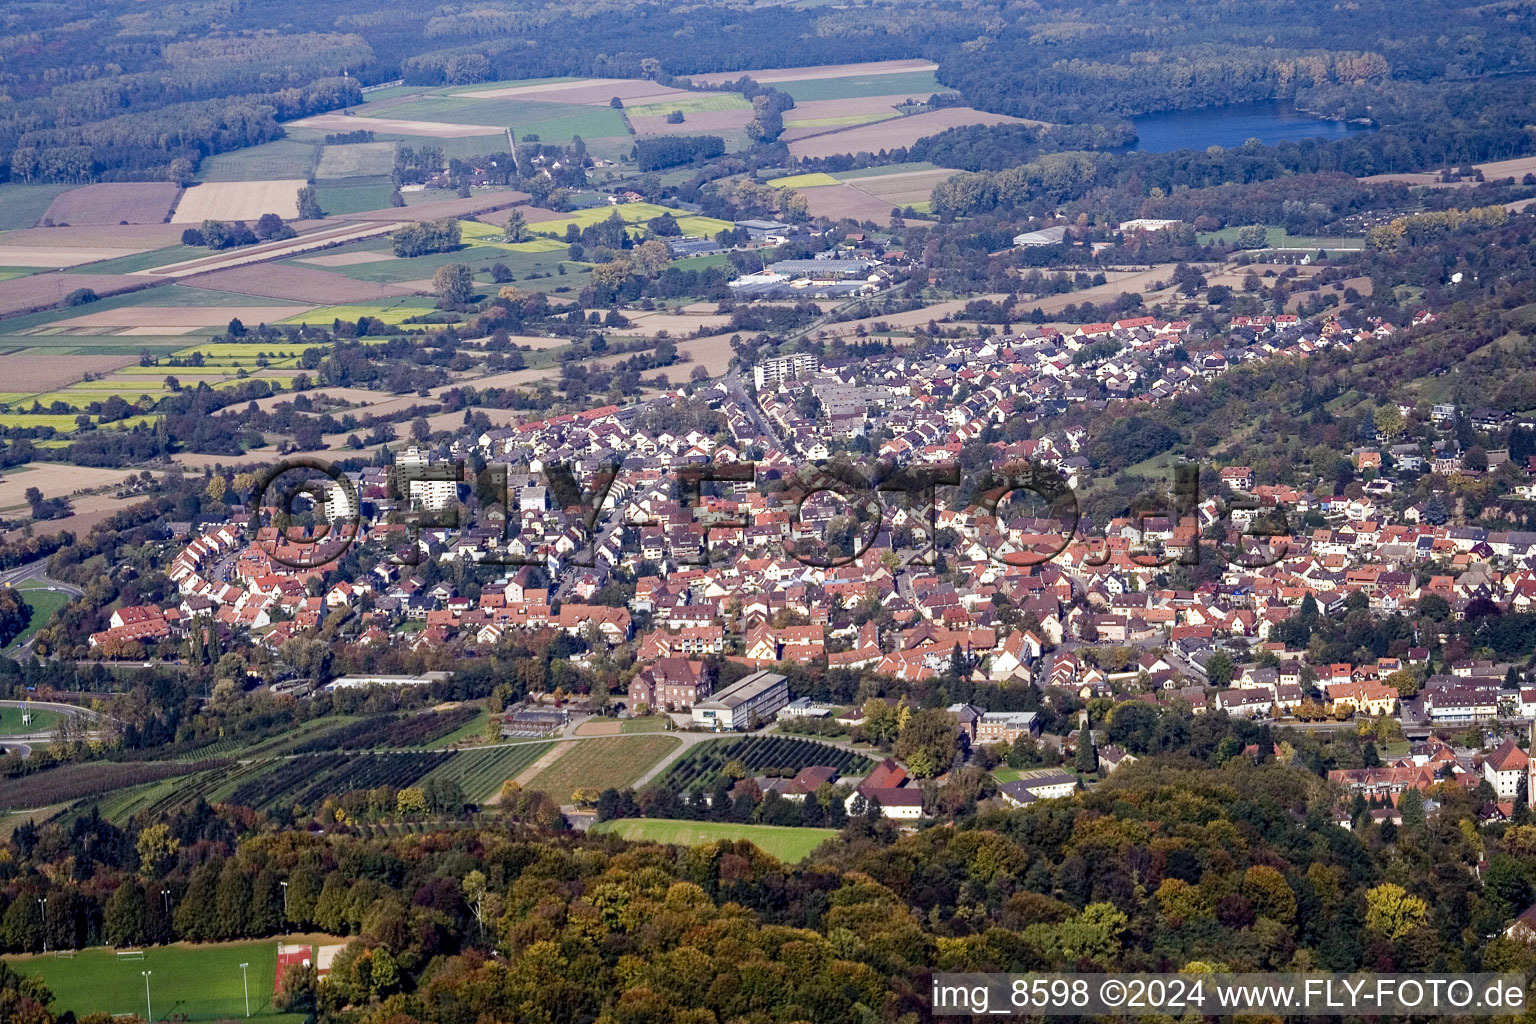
{"points": [[760, 755]]}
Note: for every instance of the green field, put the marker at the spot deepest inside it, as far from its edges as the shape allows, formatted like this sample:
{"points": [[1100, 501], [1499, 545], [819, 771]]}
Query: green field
{"points": [[10, 718], [699, 104], [281, 159], [788, 844], [353, 195], [22, 206], [201, 982], [917, 85], [1279, 238], [803, 180], [551, 122], [615, 761], [651, 723]]}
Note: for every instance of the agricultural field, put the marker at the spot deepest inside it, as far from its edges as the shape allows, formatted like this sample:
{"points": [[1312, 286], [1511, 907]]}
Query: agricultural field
{"points": [[481, 771], [306, 781], [1279, 238], [550, 121], [22, 206], [191, 982], [114, 203], [398, 126], [760, 755], [586, 91], [77, 781], [396, 730], [296, 283], [245, 200], [788, 844], [391, 312], [33, 257], [898, 132], [882, 69], [917, 85], [690, 103], [341, 196], [615, 761], [356, 159], [42, 721], [284, 158]]}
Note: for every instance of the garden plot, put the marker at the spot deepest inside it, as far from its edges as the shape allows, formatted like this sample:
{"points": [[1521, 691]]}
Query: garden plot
{"points": [[238, 200]]}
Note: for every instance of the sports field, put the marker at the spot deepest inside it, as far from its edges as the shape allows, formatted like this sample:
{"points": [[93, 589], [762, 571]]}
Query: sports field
{"points": [[42, 721], [787, 844], [201, 982], [616, 761]]}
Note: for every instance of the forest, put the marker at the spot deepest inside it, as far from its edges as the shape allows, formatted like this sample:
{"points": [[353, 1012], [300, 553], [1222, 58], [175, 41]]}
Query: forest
{"points": [[205, 79], [1219, 857]]}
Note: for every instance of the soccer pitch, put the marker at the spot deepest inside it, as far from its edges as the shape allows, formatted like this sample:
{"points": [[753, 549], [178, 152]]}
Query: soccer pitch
{"points": [[200, 982]]}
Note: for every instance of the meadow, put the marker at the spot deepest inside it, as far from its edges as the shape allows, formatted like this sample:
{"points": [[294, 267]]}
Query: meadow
{"points": [[786, 843], [200, 982], [615, 761]]}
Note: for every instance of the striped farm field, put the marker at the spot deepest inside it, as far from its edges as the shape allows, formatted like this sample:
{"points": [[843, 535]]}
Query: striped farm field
{"points": [[789, 844], [481, 772]]}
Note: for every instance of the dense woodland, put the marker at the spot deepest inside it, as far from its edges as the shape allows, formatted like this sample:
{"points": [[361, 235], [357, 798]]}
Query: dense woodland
{"points": [[1207, 857], [120, 90]]}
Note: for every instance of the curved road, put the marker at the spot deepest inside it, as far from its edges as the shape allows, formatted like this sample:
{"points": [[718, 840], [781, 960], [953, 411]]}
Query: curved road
{"points": [[22, 743]]}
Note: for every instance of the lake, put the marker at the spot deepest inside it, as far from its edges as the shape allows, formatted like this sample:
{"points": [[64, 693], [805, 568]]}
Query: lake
{"points": [[1232, 125]]}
